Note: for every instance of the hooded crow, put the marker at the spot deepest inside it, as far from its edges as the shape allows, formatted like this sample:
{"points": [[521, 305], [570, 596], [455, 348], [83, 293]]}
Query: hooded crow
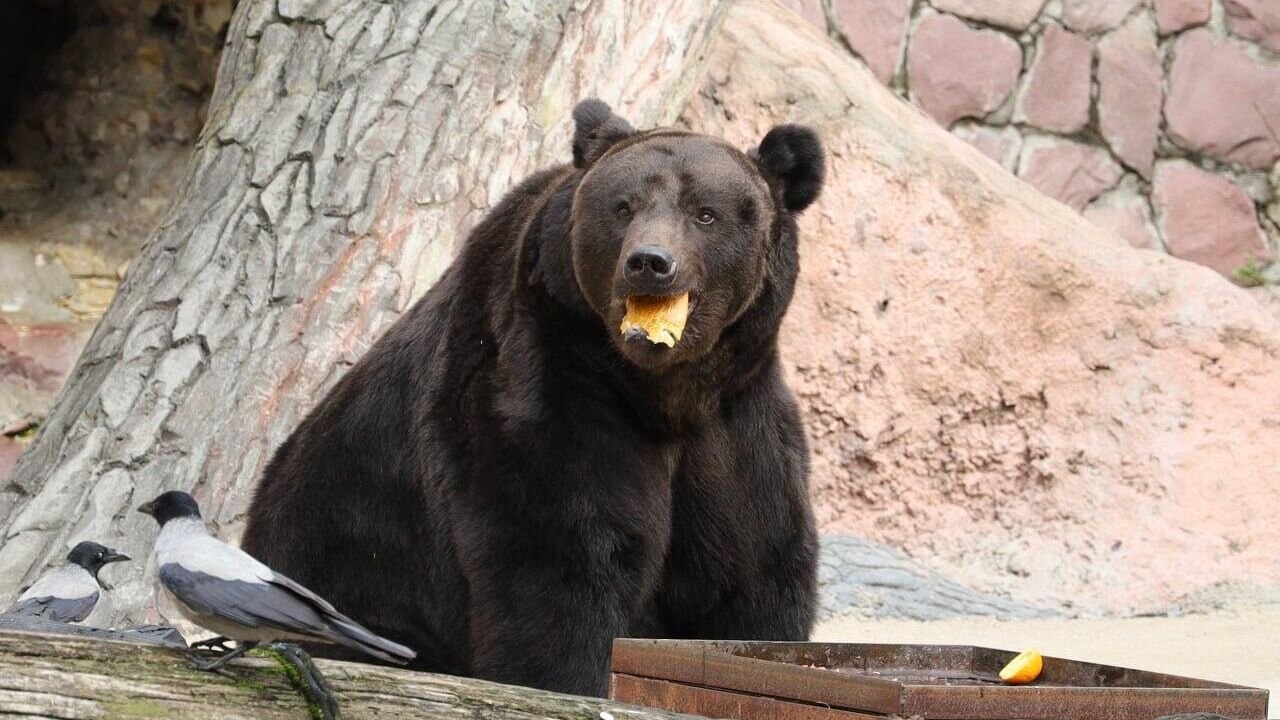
{"points": [[228, 591], [67, 594]]}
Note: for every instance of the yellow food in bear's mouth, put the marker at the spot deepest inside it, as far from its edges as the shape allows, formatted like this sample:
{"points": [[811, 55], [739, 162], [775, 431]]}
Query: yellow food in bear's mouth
{"points": [[660, 319]]}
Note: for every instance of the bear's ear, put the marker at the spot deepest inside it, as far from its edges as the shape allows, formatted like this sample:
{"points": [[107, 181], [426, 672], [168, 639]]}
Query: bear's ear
{"points": [[596, 129], [791, 156]]}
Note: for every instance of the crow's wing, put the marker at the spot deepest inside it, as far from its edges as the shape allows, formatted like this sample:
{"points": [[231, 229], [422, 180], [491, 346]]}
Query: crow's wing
{"points": [[67, 610], [278, 603], [252, 603], [64, 594]]}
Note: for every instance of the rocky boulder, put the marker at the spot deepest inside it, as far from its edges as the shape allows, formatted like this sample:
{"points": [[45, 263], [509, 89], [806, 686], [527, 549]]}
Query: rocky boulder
{"points": [[1125, 212], [1130, 93], [876, 30], [1221, 101], [1096, 15], [990, 382], [957, 71], [866, 579], [1055, 94], [1175, 15], [1206, 218], [1257, 20], [1067, 171], [1010, 14]]}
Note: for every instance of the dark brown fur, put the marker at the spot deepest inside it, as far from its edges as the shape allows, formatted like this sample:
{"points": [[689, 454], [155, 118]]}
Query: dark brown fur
{"points": [[505, 484]]}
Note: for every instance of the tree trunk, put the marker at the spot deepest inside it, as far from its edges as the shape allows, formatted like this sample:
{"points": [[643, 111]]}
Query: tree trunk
{"points": [[350, 146], [54, 676]]}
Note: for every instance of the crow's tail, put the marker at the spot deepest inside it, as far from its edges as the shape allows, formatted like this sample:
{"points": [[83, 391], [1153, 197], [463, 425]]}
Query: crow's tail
{"points": [[352, 634]]}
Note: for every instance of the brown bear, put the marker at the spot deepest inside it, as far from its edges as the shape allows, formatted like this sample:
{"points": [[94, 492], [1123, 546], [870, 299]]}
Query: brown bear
{"points": [[525, 467]]}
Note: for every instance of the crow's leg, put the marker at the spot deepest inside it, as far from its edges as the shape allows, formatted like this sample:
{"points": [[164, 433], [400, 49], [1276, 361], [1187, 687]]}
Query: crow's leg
{"points": [[215, 664]]}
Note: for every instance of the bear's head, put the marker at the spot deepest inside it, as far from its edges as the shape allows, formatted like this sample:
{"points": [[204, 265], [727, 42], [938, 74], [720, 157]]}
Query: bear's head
{"points": [[663, 213]]}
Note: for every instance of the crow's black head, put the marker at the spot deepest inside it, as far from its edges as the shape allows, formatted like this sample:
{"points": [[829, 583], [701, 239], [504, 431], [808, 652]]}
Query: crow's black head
{"points": [[91, 556], [172, 505]]}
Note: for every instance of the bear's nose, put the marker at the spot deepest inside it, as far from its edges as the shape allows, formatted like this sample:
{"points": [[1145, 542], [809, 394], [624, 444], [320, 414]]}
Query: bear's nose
{"points": [[650, 268]]}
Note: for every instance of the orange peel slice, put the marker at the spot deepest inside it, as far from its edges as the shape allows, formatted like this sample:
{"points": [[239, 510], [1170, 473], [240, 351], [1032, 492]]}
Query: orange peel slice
{"points": [[660, 319], [1023, 669]]}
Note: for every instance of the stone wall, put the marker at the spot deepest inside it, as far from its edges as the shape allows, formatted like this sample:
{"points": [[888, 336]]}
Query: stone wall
{"points": [[1157, 119]]}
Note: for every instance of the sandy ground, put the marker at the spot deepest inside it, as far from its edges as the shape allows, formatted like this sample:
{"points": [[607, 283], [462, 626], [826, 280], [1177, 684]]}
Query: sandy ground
{"points": [[1237, 646]]}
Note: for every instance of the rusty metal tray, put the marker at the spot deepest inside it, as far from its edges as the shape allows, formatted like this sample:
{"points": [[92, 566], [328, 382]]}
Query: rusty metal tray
{"points": [[843, 681]]}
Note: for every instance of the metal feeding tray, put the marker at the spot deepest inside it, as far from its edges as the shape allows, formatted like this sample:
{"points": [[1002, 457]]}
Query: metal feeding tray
{"points": [[842, 681]]}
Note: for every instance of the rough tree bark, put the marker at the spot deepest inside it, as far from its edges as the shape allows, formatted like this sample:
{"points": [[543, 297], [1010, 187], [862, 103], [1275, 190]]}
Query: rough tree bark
{"points": [[349, 147]]}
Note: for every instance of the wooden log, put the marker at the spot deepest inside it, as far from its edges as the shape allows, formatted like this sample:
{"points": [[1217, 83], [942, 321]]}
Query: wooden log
{"points": [[72, 678]]}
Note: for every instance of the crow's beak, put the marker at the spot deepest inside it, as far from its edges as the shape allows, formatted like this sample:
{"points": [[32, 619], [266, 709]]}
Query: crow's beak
{"points": [[111, 556], [147, 508]]}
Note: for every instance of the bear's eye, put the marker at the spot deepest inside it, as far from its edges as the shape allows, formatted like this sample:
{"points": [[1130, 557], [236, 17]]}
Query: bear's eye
{"points": [[705, 217], [624, 212]]}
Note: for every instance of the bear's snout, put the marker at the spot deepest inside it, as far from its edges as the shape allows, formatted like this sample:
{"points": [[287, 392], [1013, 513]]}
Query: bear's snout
{"points": [[649, 270]]}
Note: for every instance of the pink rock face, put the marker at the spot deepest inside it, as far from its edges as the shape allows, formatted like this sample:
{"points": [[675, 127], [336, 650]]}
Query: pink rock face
{"points": [[1070, 172], [1222, 102], [956, 71], [1130, 94], [1130, 218], [1056, 91], [876, 30], [810, 10], [1096, 15], [1257, 20], [985, 376], [1012, 14], [1205, 218], [1176, 15], [999, 144]]}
